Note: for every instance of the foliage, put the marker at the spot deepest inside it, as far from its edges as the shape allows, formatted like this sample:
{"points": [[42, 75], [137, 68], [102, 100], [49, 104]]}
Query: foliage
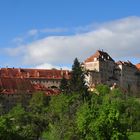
{"points": [[25, 124], [61, 116], [109, 115], [14, 125], [38, 115], [135, 136], [103, 89], [64, 86], [38, 101], [77, 81], [102, 119]]}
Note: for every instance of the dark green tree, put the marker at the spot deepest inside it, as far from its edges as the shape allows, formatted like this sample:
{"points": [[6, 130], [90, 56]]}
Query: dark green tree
{"points": [[38, 102], [77, 82], [38, 113], [61, 115], [16, 125], [64, 87]]}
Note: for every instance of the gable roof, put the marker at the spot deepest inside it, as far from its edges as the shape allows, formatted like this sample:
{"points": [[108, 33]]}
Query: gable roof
{"points": [[100, 55]]}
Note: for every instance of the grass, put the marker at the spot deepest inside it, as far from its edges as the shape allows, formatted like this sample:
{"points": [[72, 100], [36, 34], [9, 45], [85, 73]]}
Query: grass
{"points": [[138, 99], [135, 136]]}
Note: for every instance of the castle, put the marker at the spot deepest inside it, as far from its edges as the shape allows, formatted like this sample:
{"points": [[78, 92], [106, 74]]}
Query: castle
{"points": [[103, 69], [18, 84], [16, 80]]}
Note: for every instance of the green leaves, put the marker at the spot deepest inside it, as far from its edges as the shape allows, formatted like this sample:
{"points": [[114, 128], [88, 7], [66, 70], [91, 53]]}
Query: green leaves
{"points": [[108, 115], [77, 81], [64, 86], [102, 118]]}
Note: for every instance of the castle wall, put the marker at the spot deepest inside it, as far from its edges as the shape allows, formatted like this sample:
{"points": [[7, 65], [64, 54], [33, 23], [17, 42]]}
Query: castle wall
{"points": [[48, 83], [128, 78], [92, 65], [106, 70], [103, 69]]}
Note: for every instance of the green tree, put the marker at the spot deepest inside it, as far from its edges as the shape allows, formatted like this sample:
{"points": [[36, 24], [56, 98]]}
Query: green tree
{"points": [[61, 115], [26, 124], [38, 113], [64, 86], [38, 102], [15, 125], [103, 118], [77, 81]]}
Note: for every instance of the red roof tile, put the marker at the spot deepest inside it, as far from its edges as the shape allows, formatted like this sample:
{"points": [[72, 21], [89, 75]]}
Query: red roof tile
{"points": [[15, 84], [138, 66], [34, 73], [100, 55], [14, 80]]}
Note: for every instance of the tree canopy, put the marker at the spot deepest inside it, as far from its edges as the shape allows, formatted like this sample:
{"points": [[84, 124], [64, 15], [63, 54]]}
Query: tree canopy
{"points": [[75, 114]]}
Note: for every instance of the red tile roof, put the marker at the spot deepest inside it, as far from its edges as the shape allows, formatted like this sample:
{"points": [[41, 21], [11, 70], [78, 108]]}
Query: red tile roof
{"points": [[100, 55], [15, 80], [138, 66], [18, 85], [15, 85], [34, 73]]}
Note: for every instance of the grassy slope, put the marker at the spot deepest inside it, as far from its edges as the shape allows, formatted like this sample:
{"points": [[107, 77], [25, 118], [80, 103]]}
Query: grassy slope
{"points": [[135, 136]]}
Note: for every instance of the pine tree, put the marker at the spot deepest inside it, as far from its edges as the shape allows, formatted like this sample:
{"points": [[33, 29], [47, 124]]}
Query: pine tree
{"points": [[77, 82], [64, 85]]}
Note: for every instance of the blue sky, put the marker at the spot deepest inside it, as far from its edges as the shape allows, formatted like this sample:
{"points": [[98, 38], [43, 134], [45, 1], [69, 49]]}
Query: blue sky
{"points": [[46, 33]]}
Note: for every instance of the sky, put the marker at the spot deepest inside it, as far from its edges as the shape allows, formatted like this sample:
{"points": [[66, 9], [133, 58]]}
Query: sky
{"points": [[52, 33]]}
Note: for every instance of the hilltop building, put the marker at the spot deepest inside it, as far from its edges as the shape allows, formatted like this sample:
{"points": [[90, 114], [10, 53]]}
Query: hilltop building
{"points": [[103, 69], [16, 79], [18, 85]]}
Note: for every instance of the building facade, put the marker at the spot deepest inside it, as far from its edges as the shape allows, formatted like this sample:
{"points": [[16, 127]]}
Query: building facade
{"points": [[18, 85], [104, 70]]}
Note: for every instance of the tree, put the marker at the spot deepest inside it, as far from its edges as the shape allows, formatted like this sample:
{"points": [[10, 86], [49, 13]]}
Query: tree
{"points": [[38, 102], [77, 81], [15, 125], [64, 85], [103, 118], [38, 113], [61, 115]]}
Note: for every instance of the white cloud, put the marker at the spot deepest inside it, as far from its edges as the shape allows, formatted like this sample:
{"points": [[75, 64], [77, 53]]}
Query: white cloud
{"points": [[120, 38], [33, 32], [15, 51], [53, 30], [50, 66]]}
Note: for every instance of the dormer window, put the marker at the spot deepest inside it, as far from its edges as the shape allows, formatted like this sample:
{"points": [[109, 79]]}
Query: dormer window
{"points": [[95, 59], [108, 57], [102, 56]]}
